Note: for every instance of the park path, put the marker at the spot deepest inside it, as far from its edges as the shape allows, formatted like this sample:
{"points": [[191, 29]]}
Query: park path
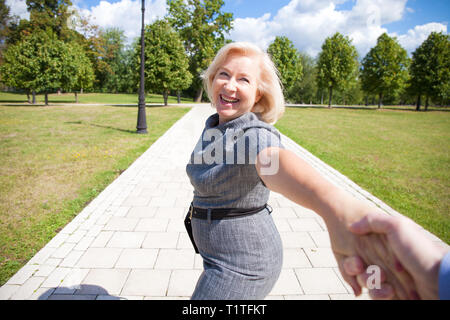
{"points": [[130, 241]]}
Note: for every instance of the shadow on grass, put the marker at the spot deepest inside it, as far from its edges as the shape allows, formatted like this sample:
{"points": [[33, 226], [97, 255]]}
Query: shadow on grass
{"points": [[101, 126], [443, 109], [58, 104], [170, 105], [22, 105]]}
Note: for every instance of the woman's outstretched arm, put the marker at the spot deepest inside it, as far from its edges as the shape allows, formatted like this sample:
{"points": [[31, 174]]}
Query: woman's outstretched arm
{"points": [[284, 172]]}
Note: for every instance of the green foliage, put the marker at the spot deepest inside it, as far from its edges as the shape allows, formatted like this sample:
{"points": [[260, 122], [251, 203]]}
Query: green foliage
{"points": [[202, 27], [5, 20], [430, 68], [50, 15], [43, 63], [114, 62], [304, 90], [77, 72], [384, 69], [287, 60], [166, 63], [337, 63]]}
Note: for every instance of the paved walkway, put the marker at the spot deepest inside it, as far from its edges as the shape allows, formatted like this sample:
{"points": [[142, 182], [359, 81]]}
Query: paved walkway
{"points": [[130, 241]]}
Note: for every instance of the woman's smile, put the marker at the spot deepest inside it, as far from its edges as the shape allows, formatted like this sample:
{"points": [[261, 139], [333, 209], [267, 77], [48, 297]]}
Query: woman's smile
{"points": [[226, 99]]}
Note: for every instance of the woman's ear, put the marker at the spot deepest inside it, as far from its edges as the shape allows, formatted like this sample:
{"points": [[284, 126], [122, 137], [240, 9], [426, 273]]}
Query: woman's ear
{"points": [[258, 96]]}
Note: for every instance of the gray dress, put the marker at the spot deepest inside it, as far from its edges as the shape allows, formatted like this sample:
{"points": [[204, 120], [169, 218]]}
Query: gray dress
{"points": [[242, 257]]}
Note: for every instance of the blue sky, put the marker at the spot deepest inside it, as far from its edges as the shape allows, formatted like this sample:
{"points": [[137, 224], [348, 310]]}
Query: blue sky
{"points": [[306, 22], [423, 11]]}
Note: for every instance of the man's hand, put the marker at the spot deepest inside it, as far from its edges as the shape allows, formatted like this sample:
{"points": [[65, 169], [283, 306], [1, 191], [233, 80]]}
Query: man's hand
{"points": [[414, 253]]}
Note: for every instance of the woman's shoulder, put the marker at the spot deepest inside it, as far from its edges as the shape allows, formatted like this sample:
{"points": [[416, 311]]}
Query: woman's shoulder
{"points": [[256, 125]]}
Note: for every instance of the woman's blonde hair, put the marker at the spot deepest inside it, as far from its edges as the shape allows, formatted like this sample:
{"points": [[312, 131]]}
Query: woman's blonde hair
{"points": [[270, 106]]}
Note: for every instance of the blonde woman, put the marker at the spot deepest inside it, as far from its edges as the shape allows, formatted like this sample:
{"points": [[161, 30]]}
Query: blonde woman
{"points": [[237, 161]]}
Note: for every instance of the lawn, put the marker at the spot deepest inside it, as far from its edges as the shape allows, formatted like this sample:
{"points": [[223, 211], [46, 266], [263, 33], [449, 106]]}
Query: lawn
{"points": [[103, 98], [401, 157], [54, 160]]}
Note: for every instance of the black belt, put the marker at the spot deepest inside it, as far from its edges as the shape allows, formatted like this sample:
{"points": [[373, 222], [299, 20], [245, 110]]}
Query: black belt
{"points": [[223, 213]]}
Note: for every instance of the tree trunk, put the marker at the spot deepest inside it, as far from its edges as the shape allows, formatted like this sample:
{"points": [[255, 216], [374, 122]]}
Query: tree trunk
{"points": [[76, 97], [165, 95], [81, 91], [418, 103], [321, 97], [367, 101], [46, 99], [34, 97], [28, 97], [330, 96], [178, 96], [199, 94], [380, 99], [426, 102]]}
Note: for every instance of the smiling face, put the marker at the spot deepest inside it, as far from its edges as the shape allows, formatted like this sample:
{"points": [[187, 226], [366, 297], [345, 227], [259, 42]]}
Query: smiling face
{"points": [[235, 87]]}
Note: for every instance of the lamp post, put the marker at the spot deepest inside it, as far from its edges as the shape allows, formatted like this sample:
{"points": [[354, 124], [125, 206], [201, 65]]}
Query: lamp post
{"points": [[141, 120]]}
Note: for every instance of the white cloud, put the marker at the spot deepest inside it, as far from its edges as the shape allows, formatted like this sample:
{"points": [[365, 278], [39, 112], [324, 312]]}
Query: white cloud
{"points": [[18, 8], [308, 22], [125, 14], [262, 30], [414, 37]]}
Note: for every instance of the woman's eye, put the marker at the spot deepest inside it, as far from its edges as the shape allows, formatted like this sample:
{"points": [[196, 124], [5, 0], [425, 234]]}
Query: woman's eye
{"points": [[223, 73], [246, 80]]}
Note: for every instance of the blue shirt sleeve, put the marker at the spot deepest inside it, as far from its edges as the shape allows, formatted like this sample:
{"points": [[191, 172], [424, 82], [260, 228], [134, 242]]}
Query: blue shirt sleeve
{"points": [[444, 278]]}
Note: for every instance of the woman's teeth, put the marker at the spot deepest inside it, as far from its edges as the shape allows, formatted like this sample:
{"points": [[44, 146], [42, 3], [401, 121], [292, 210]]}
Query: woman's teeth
{"points": [[229, 100]]}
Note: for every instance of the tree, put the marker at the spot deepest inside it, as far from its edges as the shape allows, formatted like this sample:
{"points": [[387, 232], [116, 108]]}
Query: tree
{"points": [[384, 68], [51, 14], [77, 72], [337, 63], [202, 27], [42, 63], [287, 60], [5, 20], [430, 69], [166, 63], [127, 72], [304, 91], [110, 47]]}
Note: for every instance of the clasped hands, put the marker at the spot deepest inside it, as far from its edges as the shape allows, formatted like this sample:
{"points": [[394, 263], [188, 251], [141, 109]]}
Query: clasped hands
{"points": [[388, 255]]}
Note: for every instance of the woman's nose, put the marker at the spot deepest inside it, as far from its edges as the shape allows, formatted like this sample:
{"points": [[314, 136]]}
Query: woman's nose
{"points": [[230, 85]]}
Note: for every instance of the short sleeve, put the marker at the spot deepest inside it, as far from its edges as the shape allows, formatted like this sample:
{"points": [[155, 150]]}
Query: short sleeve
{"points": [[267, 138], [260, 139]]}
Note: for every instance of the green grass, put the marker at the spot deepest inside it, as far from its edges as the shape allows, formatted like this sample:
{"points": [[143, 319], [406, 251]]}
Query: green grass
{"points": [[104, 98], [401, 157], [54, 160]]}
